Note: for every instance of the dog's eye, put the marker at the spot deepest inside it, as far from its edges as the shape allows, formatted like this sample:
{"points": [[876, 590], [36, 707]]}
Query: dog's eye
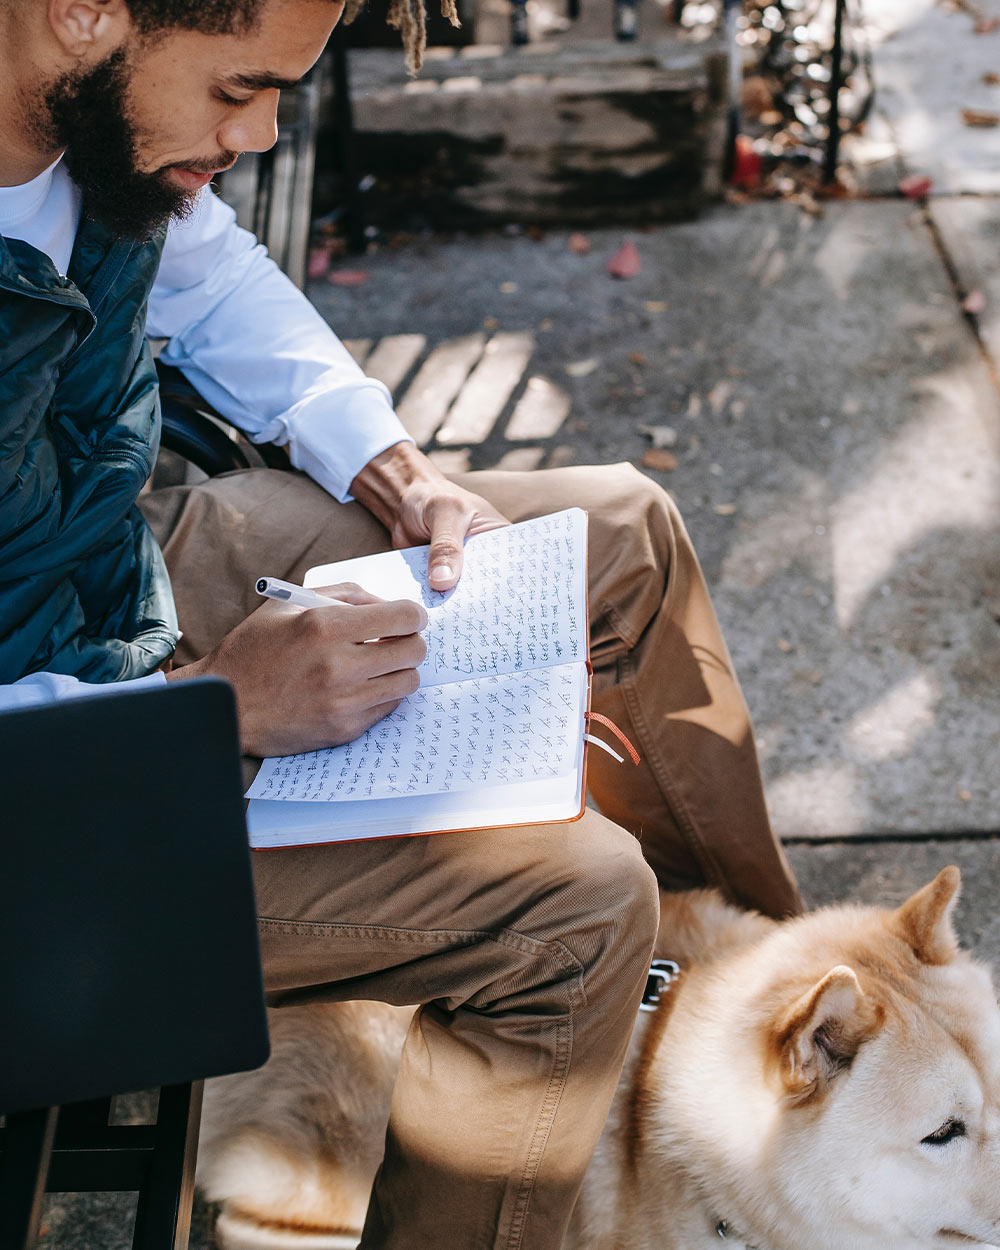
{"points": [[947, 1132]]}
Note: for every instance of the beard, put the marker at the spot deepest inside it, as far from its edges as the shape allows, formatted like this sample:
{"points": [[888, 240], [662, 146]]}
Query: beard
{"points": [[87, 114]]}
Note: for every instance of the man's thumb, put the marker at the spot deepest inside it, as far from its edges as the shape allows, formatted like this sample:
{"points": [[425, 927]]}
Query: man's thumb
{"points": [[444, 563]]}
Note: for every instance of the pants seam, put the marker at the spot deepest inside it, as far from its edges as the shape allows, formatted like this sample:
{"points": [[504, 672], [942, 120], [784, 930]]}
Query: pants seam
{"points": [[543, 1128], [428, 937]]}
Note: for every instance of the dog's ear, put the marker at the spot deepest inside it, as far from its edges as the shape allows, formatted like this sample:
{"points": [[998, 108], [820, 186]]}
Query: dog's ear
{"points": [[822, 1032], [925, 920]]}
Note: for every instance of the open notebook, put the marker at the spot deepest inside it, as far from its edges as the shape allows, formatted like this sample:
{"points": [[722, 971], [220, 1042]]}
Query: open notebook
{"points": [[495, 733]]}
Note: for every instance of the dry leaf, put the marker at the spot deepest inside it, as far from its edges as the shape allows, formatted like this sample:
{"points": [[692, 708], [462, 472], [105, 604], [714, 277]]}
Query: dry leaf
{"points": [[490, 323], [625, 263], [916, 187], [983, 119], [661, 435], [784, 645], [581, 368], [660, 458], [319, 262], [578, 243], [508, 288], [986, 25], [974, 303], [348, 277], [965, 796], [724, 509], [991, 79], [655, 305], [637, 358]]}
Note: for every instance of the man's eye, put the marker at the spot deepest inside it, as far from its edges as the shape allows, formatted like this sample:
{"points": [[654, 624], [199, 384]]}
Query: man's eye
{"points": [[232, 100], [947, 1132]]}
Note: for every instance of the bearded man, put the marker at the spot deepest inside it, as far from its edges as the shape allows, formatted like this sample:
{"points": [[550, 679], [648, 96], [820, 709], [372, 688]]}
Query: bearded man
{"points": [[527, 948]]}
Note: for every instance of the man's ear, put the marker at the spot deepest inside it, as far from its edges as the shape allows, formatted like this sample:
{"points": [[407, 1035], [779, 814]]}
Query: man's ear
{"points": [[89, 29], [822, 1031], [925, 920]]}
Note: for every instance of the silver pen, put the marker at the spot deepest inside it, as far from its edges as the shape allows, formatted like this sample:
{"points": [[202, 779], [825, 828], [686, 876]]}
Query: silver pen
{"points": [[288, 592]]}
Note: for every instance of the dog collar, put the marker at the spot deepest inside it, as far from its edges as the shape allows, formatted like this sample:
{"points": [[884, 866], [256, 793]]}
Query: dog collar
{"points": [[662, 974]]}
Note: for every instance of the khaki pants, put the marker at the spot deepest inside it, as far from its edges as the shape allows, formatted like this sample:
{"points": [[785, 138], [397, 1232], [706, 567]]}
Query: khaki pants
{"points": [[528, 948]]}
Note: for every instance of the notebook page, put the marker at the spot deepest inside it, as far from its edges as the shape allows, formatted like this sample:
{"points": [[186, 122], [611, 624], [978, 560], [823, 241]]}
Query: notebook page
{"points": [[485, 732], [520, 603], [303, 824]]}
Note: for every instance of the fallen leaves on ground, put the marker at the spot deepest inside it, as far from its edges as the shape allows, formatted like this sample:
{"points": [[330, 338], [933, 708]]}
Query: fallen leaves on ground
{"points": [[348, 277], [984, 119], [659, 458], [916, 186], [983, 25], [319, 262], [626, 262], [974, 302]]}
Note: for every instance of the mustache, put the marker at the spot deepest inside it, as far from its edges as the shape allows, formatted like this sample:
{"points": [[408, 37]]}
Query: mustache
{"points": [[213, 165]]}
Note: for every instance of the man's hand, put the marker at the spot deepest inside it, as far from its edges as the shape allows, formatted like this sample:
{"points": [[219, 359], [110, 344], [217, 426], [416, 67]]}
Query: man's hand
{"points": [[316, 677], [417, 504]]}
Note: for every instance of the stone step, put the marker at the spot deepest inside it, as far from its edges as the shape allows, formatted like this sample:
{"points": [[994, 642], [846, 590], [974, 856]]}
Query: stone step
{"points": [[595, 132]]}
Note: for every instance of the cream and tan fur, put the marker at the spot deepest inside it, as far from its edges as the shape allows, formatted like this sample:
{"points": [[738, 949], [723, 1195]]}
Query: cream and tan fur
{"points": [[829, 1083]]}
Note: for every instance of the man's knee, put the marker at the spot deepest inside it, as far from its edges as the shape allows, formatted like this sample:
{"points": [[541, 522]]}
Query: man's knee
{"points": [[610, 901]]}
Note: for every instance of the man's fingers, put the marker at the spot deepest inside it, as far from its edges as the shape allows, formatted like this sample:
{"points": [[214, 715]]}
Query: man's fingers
{"points": [[367, 620], [391, 655], [365, 720], [444, 560], [391, 687], [347, 592]]}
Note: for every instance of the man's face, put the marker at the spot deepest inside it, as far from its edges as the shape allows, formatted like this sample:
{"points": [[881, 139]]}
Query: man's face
{"points": [[147, 125]]}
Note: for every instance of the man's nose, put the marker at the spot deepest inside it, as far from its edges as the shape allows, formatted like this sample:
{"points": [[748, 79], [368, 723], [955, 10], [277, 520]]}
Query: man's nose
{"points": [[254, 128]]}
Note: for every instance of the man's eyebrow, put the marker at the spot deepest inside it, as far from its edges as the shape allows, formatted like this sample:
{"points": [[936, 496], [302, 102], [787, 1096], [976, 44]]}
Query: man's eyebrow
{"points": [[262, 81]]}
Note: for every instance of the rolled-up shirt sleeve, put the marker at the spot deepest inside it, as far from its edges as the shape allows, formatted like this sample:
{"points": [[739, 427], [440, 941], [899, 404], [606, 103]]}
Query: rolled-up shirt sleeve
{"points": [[258, 351]]}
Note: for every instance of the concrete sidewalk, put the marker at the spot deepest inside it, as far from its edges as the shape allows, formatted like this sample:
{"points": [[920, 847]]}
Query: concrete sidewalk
{"points": [[834, 422], [834, 415]]}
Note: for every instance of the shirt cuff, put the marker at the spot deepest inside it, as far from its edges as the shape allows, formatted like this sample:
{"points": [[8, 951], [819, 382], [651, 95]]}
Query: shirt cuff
{"points": [[334, 449], [39, 688]]}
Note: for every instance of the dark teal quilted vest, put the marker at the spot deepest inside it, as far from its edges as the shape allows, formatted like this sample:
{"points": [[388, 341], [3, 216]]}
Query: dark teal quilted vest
{"points": [[83, 586]]}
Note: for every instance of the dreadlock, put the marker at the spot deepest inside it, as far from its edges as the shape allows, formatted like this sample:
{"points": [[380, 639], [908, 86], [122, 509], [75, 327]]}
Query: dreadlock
{"points": [[409, 17]]}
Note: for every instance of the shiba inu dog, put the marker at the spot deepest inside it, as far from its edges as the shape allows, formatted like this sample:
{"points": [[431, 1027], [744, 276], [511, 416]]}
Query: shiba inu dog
{"points": [[827, 1083]]}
